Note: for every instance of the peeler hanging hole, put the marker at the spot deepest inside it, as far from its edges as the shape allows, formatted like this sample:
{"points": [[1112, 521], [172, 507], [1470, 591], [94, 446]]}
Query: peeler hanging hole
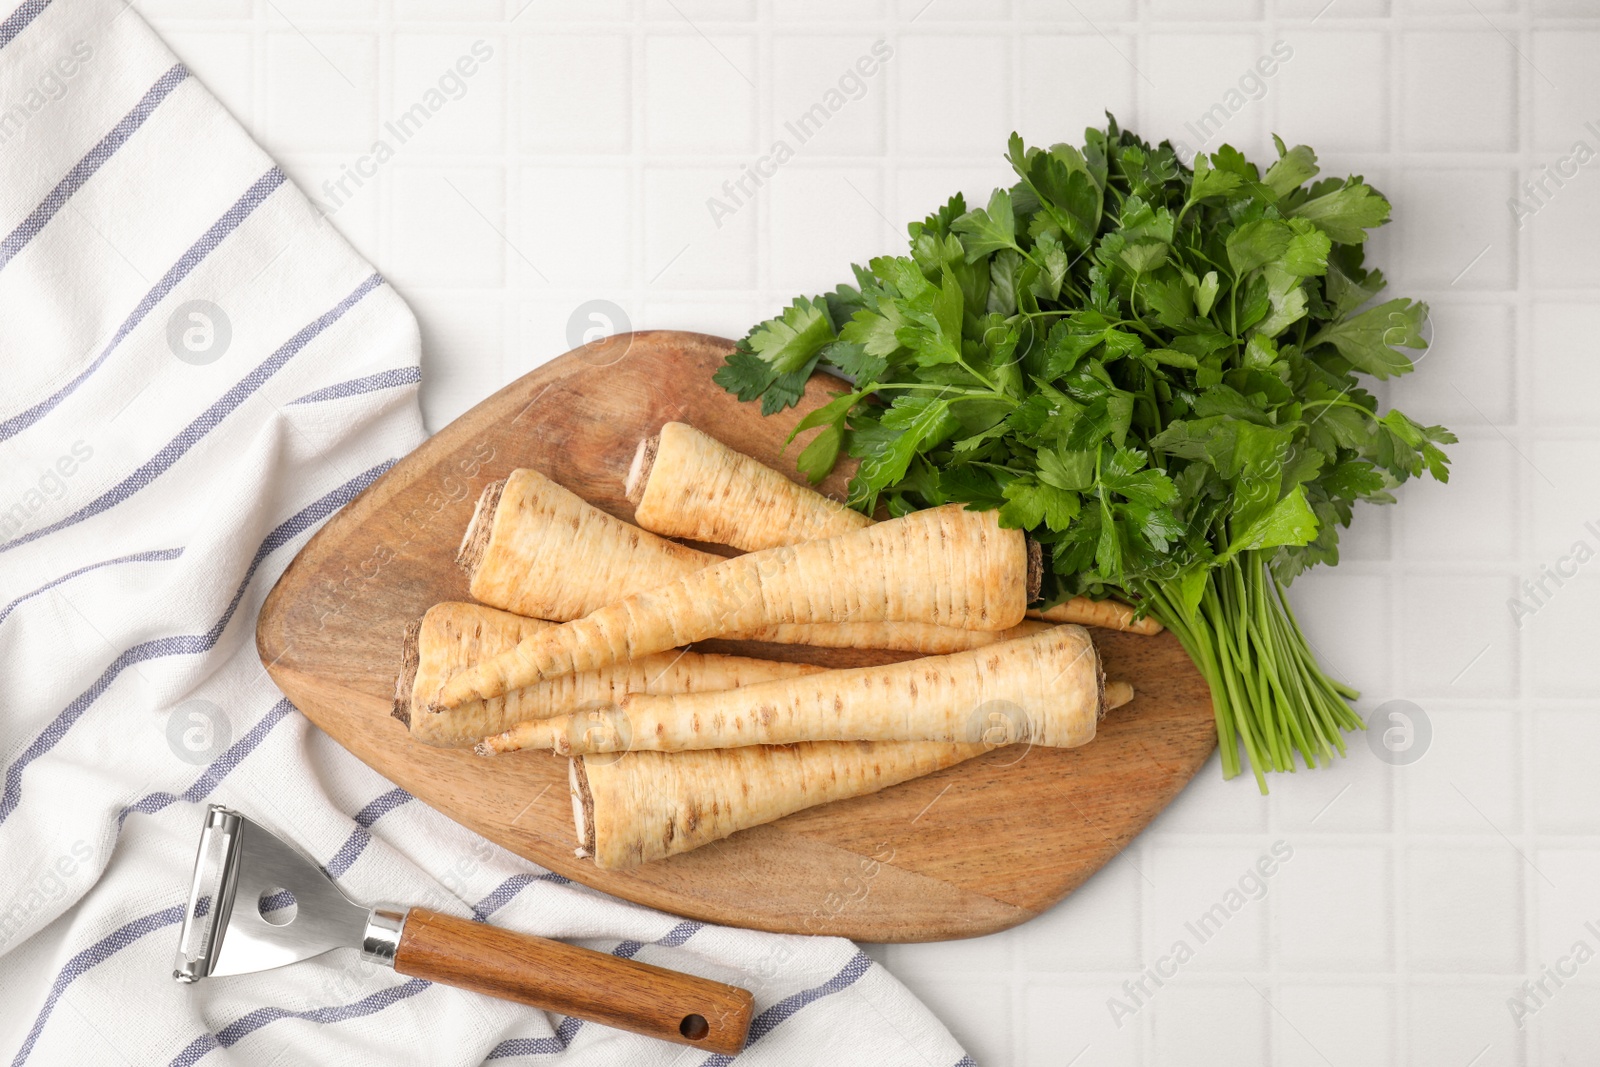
{"points": [[277, 906], [694, 1027]]}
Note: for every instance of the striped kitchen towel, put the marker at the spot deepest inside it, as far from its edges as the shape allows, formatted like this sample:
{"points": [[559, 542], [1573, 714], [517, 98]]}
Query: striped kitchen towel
{"points": [[198, 371]]}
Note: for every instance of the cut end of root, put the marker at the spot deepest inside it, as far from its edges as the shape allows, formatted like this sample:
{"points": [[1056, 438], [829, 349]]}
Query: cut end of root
{"points": [[1115, 694], [1035, 569], [410, 661], [644, 461], [1100, 684], [475, 542], [582, 806], [486, 747]]}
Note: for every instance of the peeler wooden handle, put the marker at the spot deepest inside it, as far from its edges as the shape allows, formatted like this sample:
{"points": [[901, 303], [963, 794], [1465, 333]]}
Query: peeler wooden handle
{"points": [[574, 981]]}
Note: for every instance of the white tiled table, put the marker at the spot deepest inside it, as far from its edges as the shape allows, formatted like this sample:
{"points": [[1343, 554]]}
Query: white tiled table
{"points": [[576, 164]]}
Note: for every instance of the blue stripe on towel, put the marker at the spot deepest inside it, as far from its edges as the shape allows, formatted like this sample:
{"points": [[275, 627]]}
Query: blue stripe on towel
{"points": [[246, 1025], [372, 383], [672, 938], [85, 168], [230, 220], [156, 556], [218, 769], [509, 889], [360, 838], [18, 20], [768, 1020]]}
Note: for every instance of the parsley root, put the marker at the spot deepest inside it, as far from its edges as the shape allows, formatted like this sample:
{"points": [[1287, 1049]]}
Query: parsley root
{"points": [[537, 549], [946, 566], [452, 636], [1045, 689], [657, 804], [685, 483], [1106, 614]]}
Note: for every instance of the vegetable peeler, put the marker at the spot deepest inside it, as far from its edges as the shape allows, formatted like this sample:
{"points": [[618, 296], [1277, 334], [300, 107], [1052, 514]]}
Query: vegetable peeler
{"points": [[257, 903]]}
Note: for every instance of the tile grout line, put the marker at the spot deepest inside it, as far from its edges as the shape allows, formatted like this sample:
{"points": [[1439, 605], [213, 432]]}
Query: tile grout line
{"points": [[672, 25], [1399, 794], [637, 168], [766, 122], [516, 221], [384, 67], [1522, 545]]}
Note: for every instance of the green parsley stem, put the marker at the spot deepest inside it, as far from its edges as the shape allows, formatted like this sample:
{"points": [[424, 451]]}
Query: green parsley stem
{"points": [[946, 390], [1269, 695], [1340, 402], [986, 382]]}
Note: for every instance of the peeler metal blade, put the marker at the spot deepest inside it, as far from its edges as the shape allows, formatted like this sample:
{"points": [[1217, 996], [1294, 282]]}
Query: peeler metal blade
{"points": [[256, 903]]}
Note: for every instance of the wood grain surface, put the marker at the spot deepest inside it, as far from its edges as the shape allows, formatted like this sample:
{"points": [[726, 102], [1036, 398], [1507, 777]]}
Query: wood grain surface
{"points": [[569, 980], [973, 849]]}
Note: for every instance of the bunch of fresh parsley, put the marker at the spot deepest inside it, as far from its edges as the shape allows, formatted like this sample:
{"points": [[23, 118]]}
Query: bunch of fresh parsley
{"points": [[1155, 371]]}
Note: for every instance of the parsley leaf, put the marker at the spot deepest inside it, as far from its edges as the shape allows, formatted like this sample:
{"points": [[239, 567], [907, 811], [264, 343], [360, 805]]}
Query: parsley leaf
{"points": [[986, 230], [791, 340], [1347, 213], [1371, 340]]}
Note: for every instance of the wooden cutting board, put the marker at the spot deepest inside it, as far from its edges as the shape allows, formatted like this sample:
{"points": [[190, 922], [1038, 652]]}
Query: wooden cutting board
{"points": [[974, 849]]}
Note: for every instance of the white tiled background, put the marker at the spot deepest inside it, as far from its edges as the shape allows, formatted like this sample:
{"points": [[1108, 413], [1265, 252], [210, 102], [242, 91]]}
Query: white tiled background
{"points": [[577, 165]]}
